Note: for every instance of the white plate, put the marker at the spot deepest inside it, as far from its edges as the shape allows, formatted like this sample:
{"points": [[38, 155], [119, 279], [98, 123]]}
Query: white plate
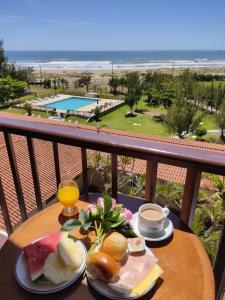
{"points": [[168, 230], [102, 287], [23, 278]]}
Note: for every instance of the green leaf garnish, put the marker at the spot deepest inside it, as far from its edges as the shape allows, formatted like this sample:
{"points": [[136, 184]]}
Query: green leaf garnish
{"points": [[120, 221], [83, 217], [106, 225], [107, 202], [112, 216], [86, 226], [72, 238], [70, 225]]}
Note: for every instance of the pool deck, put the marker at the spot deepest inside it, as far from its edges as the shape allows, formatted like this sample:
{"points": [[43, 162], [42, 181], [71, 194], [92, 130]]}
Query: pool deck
{"points": [[104, 103]]}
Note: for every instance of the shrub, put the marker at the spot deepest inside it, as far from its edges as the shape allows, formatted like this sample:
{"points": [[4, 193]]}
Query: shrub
{"points": [[200, 132], [28, 108]]}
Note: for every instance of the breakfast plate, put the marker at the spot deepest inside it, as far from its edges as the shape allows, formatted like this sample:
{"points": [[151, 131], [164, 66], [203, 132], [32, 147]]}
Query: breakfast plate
{"points": [[167, 231], [104, 289], [45, 287]]}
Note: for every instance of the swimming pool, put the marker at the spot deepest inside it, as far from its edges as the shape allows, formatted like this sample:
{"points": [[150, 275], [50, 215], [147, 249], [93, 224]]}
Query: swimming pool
{"points": [[71, 103]]}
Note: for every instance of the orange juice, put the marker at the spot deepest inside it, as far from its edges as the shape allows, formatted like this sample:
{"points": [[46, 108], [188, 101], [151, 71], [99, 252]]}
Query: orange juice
{"points": [[68, 195]]}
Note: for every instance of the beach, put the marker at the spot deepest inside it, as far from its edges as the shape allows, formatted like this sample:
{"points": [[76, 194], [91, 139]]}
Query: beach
{"points": [[101, 65]]}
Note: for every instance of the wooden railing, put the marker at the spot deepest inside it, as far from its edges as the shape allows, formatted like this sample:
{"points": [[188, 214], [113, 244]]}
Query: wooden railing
{"points": [[195, 161]]}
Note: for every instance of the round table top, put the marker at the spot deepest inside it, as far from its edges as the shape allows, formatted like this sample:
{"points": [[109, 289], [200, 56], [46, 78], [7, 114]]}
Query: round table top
{"points": [[187, 270]]}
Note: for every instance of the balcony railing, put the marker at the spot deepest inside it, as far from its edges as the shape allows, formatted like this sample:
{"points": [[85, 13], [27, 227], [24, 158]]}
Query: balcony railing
{"points": [[195, 161]]}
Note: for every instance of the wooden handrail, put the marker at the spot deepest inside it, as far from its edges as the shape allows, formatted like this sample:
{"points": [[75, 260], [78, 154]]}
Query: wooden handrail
{"points": [[194, 160], [207, 161]]}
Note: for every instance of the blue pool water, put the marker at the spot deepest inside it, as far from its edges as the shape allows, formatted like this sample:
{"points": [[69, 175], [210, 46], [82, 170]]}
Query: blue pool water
{"points": [[72, 103]]}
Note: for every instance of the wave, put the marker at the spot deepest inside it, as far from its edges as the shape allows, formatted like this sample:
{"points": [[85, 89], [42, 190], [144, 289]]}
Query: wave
{"points": [[89, 65]]}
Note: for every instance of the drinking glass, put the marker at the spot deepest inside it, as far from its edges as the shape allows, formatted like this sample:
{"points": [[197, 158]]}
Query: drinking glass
{"points": [[68, 195]]}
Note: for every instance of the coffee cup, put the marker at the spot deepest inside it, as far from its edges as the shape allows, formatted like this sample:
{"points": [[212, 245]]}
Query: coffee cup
{"points": [[151, 219]]}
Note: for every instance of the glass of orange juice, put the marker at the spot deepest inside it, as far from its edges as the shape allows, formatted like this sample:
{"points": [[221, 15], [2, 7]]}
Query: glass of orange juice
{"points": [[68, 195]]}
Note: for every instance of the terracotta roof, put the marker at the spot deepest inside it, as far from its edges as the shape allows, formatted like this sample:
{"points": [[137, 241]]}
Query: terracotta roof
{"points": [[70, 163]]}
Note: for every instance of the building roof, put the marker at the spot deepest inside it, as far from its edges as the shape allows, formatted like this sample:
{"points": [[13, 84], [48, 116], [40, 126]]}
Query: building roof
{"points": [[70, 163]]}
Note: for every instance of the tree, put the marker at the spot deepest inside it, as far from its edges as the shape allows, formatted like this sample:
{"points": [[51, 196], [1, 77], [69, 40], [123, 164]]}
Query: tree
{"points": [[6, 69], [182, 117], [122, 82], [5, 88], [130, 101], [221, 120], [97, 112], [134, 87], [131, 80], [19, 87], [114, 83], [3, 59], [187, 81], [85, 80], [28, 108]]}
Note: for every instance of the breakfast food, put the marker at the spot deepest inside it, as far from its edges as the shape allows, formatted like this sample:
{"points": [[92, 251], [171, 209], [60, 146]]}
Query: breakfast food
{"points": [[70, 252], [102, 266], [55, 270], [55, 256], [115, 244], [136, 244], [36, 253]]}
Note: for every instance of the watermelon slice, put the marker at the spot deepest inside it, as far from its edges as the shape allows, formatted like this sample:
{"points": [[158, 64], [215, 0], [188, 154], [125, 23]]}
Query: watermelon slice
{"points": [[36, 253]]}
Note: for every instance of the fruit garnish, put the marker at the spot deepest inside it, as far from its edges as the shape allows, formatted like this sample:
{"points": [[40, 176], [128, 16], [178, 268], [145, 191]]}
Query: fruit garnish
{"points": [[70, 252], [55, 270]]}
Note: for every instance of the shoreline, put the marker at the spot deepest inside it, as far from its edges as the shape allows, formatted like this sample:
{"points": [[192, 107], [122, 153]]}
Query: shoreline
{"points": [[174, 70]]}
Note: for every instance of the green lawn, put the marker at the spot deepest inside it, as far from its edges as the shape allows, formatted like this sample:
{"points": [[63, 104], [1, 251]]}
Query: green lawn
{"points": [[209, 122], [117, 120], [142, 123], [23, 112]]}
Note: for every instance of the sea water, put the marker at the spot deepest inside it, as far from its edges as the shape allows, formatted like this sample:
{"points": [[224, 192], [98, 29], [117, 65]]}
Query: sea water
{"points": [[105, 60]]}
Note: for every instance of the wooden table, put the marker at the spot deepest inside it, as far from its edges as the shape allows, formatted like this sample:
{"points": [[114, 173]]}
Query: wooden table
{"points": [[187, 270]]}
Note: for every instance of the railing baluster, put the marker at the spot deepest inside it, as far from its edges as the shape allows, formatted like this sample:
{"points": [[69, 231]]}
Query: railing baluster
{"points": [[190, 198], [85, 171], [56, 161], [219, 265], [5, 211], [15, 174], [114, 175], [34, 172], [151, 179]]}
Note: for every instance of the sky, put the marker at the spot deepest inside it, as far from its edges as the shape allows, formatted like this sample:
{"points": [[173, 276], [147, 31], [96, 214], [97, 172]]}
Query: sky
{"points": [[112, 24]]}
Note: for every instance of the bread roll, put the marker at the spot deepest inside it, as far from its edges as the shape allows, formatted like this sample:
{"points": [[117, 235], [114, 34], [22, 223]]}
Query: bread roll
{"points": [[115, 244], [102, 266]]}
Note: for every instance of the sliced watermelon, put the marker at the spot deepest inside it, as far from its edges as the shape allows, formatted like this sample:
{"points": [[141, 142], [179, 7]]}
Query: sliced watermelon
{"points": [[35, 254]]}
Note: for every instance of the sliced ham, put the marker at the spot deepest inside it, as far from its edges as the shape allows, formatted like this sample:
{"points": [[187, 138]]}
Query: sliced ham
{"points": [[135, 267]]}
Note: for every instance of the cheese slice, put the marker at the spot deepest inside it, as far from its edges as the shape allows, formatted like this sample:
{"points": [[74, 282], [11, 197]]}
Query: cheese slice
{"points": [[153, 275]]}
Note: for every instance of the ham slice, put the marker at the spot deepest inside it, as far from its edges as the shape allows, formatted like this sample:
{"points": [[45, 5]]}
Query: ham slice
{"points": [[136, 266]]}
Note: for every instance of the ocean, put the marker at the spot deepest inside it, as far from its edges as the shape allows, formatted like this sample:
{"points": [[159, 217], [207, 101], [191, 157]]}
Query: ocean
{"points": [[121, 60]]}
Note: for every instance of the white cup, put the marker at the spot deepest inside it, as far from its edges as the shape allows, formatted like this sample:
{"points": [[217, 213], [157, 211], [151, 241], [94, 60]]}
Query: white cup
{"points": [[148, 227]]}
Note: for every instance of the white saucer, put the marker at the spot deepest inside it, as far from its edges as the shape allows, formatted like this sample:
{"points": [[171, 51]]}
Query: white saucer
{"points": [[168, 230]]}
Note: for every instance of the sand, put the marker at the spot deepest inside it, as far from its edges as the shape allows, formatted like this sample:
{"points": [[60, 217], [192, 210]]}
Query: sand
{"points": [[101, 77]]}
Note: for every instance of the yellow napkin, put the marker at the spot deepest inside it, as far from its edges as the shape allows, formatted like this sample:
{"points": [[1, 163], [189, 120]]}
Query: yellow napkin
{"points": [[154, 274]]}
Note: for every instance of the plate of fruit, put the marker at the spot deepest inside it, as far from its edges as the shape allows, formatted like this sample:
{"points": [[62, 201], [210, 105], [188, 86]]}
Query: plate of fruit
{"points": [[51, 263], [121, 268]]}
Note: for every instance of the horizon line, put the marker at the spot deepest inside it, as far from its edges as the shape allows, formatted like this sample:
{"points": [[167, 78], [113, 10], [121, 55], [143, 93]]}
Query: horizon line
{"points": [[128, 50]]}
